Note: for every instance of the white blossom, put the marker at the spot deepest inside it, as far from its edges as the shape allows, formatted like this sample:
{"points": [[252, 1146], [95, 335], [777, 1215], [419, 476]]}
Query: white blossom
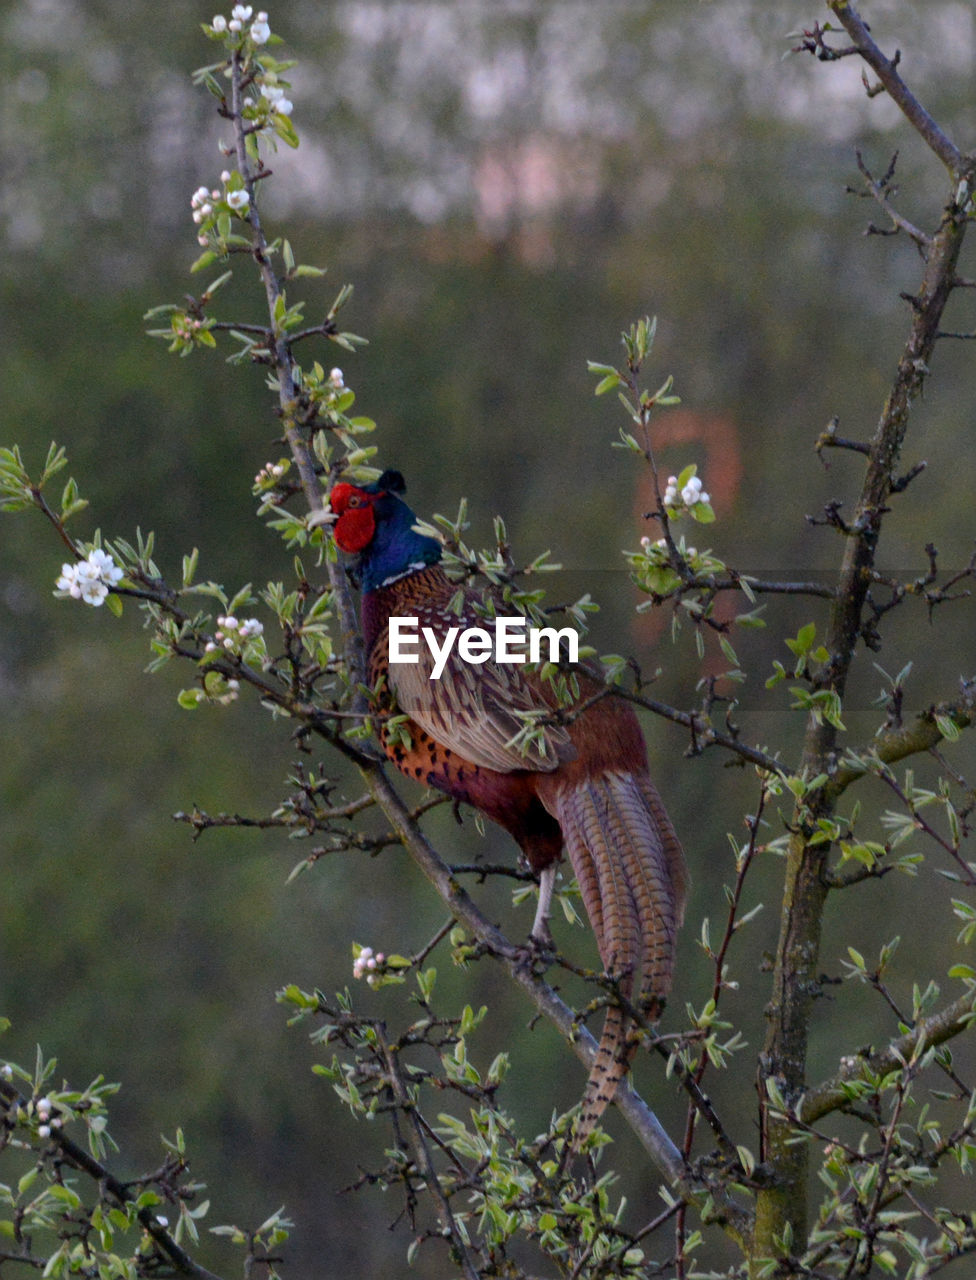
{"points": [[234, 25], [219, 23], [260, 31], [241, 12], [90, 579], [276, 99], [106, 566], [336, 379], [691, 491], [238, 199], [270, 472], [361, 963], [366, 963]]}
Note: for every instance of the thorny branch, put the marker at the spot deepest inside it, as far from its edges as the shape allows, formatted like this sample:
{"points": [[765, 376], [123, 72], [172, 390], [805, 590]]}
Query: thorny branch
{"points": [[784, 1055], [115, 1191]]}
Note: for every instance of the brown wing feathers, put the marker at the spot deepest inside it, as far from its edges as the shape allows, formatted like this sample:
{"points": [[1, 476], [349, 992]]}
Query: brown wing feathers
{"points": [[591, 778]]}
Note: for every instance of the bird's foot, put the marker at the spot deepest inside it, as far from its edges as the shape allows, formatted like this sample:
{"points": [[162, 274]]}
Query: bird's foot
{"points": [[541, 939], [538, 949]]}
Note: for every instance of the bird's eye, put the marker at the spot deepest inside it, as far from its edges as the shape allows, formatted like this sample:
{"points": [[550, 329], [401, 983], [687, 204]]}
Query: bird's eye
{"points": [[354, 502]]}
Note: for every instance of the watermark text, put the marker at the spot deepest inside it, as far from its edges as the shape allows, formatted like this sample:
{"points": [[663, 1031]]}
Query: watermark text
{"points": [[512, 640]]}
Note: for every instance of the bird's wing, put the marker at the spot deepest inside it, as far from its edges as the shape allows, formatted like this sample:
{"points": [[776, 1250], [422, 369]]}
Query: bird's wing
{"points": [[473, 708]]}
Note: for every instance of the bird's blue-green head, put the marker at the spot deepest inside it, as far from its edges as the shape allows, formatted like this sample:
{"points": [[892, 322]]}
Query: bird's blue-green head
{"points": [[374, 521]]}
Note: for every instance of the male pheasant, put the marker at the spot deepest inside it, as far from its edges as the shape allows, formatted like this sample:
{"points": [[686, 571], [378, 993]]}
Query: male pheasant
{"points": [[584, 787]]}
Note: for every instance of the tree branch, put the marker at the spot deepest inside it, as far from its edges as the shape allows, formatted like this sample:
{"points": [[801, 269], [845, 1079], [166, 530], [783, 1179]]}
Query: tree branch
{"points": [[936, 1029], [82, 1160], [886, 71], [903, 741], [517, 961]]}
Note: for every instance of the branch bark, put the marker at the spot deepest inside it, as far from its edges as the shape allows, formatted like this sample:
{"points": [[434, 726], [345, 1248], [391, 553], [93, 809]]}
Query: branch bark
{"points": [[783, 1204], [936, 1029], [886, 71]]}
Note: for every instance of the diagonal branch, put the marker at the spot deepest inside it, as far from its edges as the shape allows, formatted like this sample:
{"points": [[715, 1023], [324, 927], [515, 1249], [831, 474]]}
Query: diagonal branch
{"points": [[886, 71], [114, 1190], [936, 1029], [893, 745], [517, 961]]}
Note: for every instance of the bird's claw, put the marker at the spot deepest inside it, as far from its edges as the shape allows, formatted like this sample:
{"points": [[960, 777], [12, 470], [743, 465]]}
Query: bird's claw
{"points": [[538, 948]]}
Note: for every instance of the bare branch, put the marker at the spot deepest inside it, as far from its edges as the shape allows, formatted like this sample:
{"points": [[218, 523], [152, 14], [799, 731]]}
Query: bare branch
{"points": [[886, 71], [880, 189]]}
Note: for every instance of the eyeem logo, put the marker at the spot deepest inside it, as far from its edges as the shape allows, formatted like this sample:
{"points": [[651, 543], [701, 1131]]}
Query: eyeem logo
{"points": [[511, 642]]}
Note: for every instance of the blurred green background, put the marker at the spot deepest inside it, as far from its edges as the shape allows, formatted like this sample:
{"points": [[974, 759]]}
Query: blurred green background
{"points": [[507, 186]]}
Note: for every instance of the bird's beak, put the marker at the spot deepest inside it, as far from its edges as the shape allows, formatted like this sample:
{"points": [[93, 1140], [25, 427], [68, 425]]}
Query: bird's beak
{"points": [[324, 515]]}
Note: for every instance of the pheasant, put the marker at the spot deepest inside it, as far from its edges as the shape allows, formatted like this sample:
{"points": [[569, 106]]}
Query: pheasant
{"points": [[582, 786]]}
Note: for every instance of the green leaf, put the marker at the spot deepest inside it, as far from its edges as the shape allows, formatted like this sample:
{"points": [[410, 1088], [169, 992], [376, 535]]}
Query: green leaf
{"points": [[608, 383], [947, 727], [57, 1191], [702, 513], [804, 640], [199, 264]]}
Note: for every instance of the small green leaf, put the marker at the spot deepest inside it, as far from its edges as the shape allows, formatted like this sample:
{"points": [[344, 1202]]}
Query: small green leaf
{"points": [[608, 383], [199, 264]]}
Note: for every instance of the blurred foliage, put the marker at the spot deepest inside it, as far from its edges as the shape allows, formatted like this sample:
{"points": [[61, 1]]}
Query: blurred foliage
{"points": [[506, 186]]}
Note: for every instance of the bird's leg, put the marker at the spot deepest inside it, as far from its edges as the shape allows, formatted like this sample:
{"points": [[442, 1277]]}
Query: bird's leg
{"points": [[540, 925]]}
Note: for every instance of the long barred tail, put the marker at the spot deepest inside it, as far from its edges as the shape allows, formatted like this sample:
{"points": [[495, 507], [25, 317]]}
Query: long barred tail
{"points": [[632, 878]]}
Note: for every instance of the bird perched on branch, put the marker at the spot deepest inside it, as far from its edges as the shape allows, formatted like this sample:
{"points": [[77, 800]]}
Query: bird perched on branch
{"points": [[582, 786]]}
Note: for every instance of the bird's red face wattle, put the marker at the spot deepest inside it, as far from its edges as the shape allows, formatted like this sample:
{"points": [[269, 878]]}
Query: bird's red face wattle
{"points": [[356, 524]]}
